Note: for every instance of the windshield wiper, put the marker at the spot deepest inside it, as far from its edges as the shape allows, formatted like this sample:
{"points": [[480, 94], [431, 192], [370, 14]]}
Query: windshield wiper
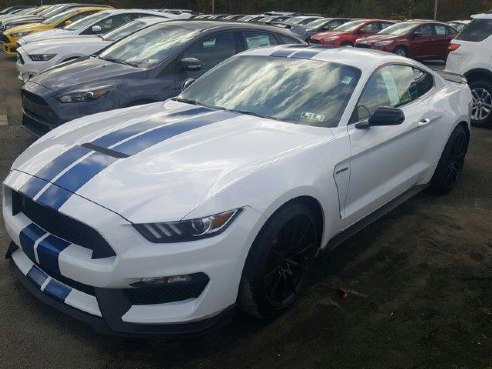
{"points": [[185, 100], [246, 112], [118, 61]]}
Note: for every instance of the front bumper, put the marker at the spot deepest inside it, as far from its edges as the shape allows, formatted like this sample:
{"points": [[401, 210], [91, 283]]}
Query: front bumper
{"points": [[28, 68], [111, 324], [9, 45], [103, 284]]}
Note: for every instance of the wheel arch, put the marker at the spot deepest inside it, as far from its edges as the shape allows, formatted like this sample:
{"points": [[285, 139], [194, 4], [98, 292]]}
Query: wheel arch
{"points": [[477, 74]]}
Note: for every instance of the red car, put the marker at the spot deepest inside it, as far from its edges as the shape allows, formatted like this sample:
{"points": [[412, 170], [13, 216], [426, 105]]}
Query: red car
{"points": [[414, 39], [347, 33]]}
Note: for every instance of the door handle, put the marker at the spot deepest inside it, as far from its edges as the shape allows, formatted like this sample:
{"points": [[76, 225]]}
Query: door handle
{"points": [[424, 122]]}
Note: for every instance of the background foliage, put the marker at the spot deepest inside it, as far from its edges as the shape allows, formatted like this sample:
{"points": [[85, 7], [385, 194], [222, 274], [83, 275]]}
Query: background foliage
{"points": [[397, 9]]}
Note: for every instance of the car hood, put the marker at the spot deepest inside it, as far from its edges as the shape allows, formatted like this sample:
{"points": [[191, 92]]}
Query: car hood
{"points": [[179, 156], [52, 33], [74, 43], [86, 72], [33, 27], [327, 34], [30, 18], [377, 38]]}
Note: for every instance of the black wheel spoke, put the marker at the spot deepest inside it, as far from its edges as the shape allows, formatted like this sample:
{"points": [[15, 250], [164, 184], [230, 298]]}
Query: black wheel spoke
{"points": [[288, 260]]}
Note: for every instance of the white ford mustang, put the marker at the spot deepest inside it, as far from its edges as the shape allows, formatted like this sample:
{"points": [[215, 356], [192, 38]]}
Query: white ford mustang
{"points": [[160, 218]]}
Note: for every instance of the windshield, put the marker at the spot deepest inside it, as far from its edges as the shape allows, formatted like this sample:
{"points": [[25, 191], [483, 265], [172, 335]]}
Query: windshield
{"points": [[59, 17], [299, 91], [86, 21], [124, 30], [54, 11], [295, 20], [398, 29], [350, 26], [317, 23], [149, 46]]}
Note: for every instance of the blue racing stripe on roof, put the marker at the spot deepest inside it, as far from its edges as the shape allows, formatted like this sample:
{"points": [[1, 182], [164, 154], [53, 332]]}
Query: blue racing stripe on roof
{"points": [[57, 290], [48, 252], [124, 133], [37, 276], [148, 139], [28, 237], [282, 53], [305, 54]]}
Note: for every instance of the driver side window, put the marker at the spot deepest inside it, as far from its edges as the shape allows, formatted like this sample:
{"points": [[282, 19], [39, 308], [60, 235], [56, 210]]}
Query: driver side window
{"points": [[213, 49], [392, 86]]}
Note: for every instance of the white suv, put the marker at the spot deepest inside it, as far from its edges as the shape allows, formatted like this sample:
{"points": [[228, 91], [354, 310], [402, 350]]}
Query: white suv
{"points": [[471, 55]]}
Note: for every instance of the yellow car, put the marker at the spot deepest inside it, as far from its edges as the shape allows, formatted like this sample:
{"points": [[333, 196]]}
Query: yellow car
{"points": [[9, 38]]}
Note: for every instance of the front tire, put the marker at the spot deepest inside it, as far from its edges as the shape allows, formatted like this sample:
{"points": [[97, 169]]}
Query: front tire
{"points": [[347, 44], [482, 103], [450, 166], [400, 50], [279, 261]]}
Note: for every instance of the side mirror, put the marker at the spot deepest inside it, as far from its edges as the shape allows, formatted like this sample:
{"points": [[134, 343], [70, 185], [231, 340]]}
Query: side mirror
{"points": [[96, 29], [187, 83], [383, 116], [190, 64], [417, 35], [67, 22]]}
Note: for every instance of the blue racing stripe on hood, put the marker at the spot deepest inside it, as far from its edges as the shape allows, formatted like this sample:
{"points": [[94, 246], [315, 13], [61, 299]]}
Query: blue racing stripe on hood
{"points": [[305, 54], [124, 133], [148, 139], [86, 169]]}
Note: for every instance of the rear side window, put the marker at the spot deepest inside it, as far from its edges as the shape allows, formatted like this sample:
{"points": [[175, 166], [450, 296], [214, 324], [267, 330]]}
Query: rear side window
{"points": [[440, 29], [255, 39], [478, 30]]}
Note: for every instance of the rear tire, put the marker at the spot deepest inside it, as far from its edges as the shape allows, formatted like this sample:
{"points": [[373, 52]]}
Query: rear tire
{"points": [[279, 261], [482, 103], [450, 166]]}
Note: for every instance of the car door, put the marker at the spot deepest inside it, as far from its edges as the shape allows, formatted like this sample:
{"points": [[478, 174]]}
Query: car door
{"points": [[256, 38], [441, 41], [210, 50], [369, 29], [387, 160], [422, 41]]}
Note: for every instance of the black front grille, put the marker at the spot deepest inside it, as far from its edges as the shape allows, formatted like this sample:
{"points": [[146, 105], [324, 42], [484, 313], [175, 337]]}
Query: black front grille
{"points": [[20, 58], [62, 226], [168, 293], [4, 38], [71, 283], [37, 107], [363, 46]]}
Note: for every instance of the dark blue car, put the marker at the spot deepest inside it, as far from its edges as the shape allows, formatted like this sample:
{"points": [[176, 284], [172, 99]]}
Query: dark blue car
{"points": [[145, 67]]}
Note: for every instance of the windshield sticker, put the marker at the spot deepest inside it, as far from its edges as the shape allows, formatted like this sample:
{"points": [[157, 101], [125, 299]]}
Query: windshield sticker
{"points": [[347, 80], [257, 41], [389, 81], [313, 116], [209, 43]]}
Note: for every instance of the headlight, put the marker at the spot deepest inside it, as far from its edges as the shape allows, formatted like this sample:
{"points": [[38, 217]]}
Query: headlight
{"points": [[85, 95], [21, 34], [382, 43], [187, 230], [41, 57], [331, 38]]}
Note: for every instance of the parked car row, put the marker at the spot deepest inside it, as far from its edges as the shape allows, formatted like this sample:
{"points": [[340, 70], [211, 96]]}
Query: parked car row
{"points": [[186, 167]]}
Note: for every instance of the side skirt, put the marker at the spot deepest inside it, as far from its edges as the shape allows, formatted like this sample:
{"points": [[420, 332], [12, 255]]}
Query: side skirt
{"points": [[371, 218]]}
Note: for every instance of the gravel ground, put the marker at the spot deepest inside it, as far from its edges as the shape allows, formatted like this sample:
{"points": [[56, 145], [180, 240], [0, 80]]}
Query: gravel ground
{"points": [[419, 283]]}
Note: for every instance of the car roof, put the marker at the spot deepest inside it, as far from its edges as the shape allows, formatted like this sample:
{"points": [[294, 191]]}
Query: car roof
{"points": [[482, 16], [364, 59], [206, 25]]}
